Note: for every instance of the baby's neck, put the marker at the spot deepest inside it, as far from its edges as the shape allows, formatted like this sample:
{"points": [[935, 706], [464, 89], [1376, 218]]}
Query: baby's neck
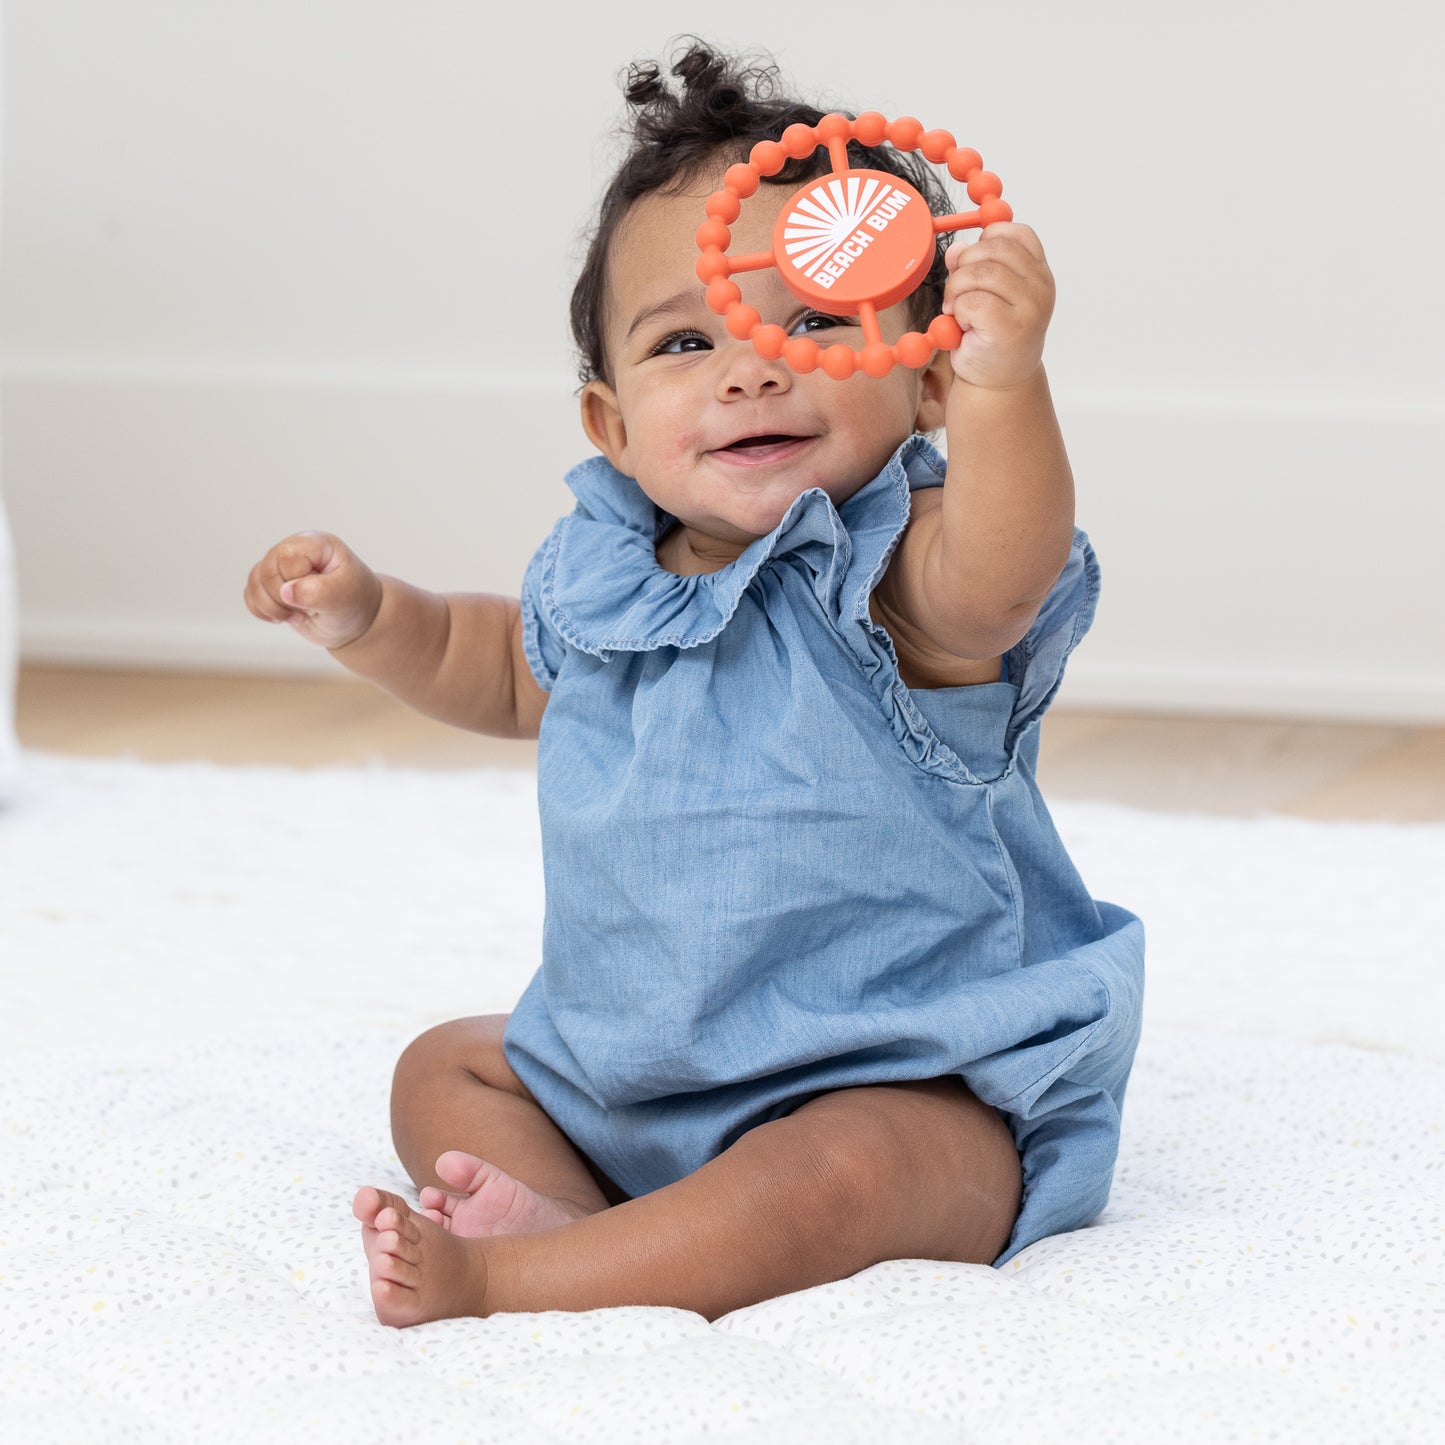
{"points": [[675, 553]]}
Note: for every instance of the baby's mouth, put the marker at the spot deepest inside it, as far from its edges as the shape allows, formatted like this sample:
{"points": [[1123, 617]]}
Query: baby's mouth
{"points": [[764, 447], [771, 439]]}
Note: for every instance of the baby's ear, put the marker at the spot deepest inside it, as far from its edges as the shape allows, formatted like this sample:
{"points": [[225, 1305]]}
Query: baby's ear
{"points": [[935, 382], [602, 421]]}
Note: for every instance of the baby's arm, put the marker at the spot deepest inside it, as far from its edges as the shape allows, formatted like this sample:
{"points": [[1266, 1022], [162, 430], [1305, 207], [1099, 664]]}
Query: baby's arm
{"points": [[976, 568], [456, 657]]}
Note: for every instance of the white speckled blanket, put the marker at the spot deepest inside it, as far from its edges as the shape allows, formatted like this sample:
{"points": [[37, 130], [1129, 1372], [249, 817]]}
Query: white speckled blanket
{"points": [[208, 975]]}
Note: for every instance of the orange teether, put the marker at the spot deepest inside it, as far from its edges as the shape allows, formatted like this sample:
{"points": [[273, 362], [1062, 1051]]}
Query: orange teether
{"points": [[851, 243]]}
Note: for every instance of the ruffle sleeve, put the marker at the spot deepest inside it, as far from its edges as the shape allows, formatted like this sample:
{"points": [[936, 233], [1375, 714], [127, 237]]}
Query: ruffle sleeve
{"points": [[875, 519], [959, 735], [540, 641], [1036, 662]]}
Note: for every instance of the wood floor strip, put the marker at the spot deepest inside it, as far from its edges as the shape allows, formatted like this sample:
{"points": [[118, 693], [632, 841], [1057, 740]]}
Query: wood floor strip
{"points": [[1230, 767]]}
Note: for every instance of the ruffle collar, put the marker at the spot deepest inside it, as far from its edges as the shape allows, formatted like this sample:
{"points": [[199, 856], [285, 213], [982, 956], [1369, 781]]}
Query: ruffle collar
{"points": [[604, 590]]}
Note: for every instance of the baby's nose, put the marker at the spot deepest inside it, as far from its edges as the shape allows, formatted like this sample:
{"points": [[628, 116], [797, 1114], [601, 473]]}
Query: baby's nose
{"points": [[746, 374]]}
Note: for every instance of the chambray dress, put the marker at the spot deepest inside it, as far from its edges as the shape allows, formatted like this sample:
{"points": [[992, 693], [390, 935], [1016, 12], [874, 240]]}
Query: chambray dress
{"points": [[773, 870]]}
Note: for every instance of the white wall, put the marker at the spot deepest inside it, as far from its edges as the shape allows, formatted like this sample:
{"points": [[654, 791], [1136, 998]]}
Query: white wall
{"points": [[9, 604], [260, 274]]}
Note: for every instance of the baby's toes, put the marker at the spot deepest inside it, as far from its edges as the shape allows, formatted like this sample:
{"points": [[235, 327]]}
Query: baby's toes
{"points": [[395, 1261], [396, 1218], [437, 1206], [402, 1228], [461, 1170], [397, 1245], [367, 1205]]}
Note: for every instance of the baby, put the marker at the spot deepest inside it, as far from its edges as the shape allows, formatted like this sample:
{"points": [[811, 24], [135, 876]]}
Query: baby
{"points": [[820, 986]]}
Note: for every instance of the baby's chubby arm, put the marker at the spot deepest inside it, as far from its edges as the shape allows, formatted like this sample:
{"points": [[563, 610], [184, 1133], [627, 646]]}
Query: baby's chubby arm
{"points": [[976, 568], [456, 657]]}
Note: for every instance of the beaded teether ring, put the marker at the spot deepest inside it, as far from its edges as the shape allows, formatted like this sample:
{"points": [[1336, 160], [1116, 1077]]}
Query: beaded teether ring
{"points": [[851, 243]]}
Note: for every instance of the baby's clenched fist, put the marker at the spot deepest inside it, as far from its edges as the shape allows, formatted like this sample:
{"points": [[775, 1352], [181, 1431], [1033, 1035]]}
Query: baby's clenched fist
{"points": [[315, 582], [1001, 292]]}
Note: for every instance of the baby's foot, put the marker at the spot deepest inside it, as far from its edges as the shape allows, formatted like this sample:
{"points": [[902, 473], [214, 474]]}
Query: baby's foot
{"points": [[489, 1201], [419, 1271]]}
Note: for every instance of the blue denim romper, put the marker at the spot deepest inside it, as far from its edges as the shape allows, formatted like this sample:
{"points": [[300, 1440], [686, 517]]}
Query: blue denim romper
{"points": [[773, 870]]}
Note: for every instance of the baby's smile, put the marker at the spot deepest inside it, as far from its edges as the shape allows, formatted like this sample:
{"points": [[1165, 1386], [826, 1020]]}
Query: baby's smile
{"points": [[762, 450]]}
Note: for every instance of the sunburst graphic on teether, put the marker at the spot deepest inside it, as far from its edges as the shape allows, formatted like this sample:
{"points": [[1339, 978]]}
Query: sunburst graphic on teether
{"points": [[853, 242], [854, 239], [824, 217]]}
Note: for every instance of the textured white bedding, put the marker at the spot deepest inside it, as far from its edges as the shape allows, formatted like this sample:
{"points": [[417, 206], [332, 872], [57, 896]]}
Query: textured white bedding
{"points": [[208, 975]]}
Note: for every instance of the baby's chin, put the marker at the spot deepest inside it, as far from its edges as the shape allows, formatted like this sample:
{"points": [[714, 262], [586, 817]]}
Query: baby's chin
{"points": [[769, 507], [739, 504]]}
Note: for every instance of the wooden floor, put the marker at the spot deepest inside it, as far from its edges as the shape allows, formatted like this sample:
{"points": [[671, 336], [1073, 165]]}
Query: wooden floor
{"points": [[1233, 767]]}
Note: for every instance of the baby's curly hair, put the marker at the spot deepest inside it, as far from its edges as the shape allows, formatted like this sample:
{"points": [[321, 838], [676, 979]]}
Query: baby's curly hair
{"points": [[725, 105]]}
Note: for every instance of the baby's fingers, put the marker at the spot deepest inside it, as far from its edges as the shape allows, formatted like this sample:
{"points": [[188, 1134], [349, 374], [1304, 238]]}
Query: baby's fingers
{"points": [[307, 554], [316, 583], [299, 557], [302, 555], [1002, 235], [304, 595], [335, 593], [263, 595]]}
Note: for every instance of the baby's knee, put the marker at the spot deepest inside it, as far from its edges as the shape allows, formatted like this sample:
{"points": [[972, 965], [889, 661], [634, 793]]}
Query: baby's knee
{"points": [[468, 1045], [928, 1148]]}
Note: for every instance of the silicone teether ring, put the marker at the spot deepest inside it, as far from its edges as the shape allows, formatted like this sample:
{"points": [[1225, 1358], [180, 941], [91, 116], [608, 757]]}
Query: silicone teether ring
{"points": [[852, 242]]}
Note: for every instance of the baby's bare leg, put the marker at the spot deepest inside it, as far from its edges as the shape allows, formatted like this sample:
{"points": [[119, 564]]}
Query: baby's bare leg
{"points": [[454, 1090], [917, 1170]]}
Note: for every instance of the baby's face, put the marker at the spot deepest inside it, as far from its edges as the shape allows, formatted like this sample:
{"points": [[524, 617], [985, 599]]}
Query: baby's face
{"points": [[686, 392]]}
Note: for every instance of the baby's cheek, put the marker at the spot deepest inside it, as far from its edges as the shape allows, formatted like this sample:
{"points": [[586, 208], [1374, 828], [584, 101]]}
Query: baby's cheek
{"points": [[687, 453], [679, 443]]}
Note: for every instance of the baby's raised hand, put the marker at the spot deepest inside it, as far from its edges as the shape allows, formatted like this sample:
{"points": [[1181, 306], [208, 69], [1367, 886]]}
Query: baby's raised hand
{"points": [[319, 585], [1001, 292]]}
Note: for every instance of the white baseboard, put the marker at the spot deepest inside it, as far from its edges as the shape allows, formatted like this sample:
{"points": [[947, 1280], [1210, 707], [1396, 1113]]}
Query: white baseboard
{"points": [[1243, 691], [1092, 685], [173, 647]]}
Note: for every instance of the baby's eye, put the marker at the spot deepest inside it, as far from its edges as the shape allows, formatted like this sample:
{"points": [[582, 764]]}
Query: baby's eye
{"points": [[673, 345], [820, 321]]}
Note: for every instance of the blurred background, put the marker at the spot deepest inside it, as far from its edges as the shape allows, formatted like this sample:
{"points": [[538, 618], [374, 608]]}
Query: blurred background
{"points": [[305, 263]]}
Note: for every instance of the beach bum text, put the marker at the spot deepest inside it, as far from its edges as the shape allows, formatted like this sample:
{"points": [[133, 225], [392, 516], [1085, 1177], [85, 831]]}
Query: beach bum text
{"points": [[860, 240]]}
